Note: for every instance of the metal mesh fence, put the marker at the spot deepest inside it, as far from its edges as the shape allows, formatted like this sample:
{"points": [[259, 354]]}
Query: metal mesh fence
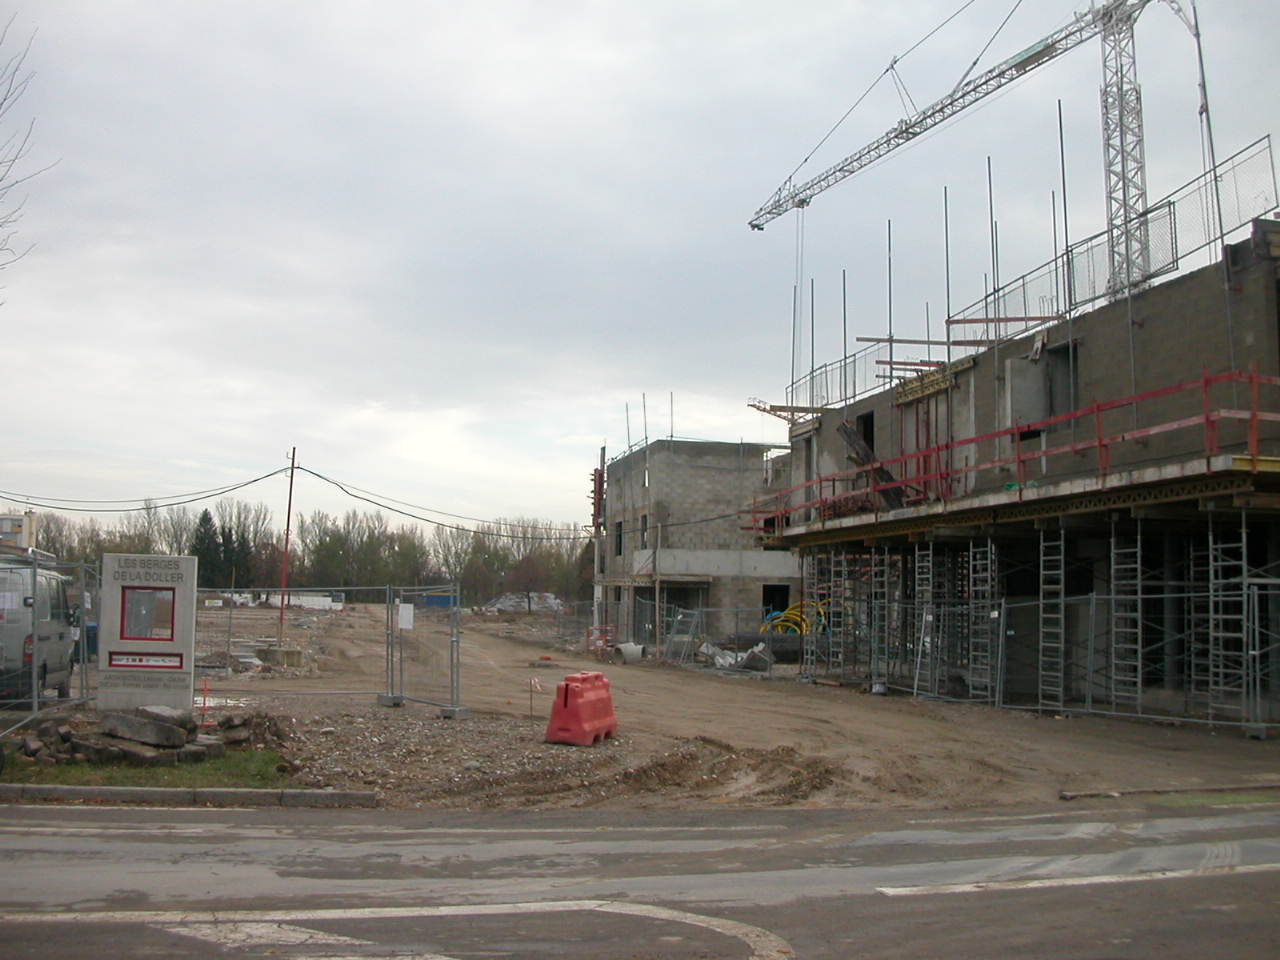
{"points": [[48, 632], [393, 640]]}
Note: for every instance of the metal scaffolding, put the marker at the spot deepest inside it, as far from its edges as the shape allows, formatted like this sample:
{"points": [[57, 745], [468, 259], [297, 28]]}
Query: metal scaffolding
{"points": [[1196, 638]]}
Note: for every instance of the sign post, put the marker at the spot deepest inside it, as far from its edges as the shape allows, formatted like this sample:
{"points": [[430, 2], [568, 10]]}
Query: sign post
{"points": [[147, 632]]}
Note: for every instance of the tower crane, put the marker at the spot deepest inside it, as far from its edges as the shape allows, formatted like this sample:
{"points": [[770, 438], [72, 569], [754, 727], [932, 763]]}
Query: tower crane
{"points": [[1126, 187]]}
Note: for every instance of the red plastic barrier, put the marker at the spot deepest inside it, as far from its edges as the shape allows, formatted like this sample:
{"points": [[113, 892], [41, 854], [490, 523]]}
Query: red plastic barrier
{"points": [[583, 711]]}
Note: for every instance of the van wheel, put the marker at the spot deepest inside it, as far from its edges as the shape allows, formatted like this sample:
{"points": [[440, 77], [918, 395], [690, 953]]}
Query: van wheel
{"points": [[64, 689]]}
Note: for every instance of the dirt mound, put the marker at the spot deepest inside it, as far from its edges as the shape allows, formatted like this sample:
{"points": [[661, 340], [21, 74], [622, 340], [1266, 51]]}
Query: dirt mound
{"points": [[688, 738]]}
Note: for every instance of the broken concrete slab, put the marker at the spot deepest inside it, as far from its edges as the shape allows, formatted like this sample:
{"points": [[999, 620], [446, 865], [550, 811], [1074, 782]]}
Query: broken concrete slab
{"points": [[92, 751], [213, 746], [169, 715], [142, 730], [192, 753], [139, 754]]}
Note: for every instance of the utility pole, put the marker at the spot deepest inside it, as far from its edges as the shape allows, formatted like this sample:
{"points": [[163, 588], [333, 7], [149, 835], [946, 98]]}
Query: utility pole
{"points": [[284, 567]]}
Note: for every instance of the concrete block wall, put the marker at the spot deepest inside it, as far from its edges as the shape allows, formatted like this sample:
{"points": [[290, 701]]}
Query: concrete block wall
{"points": [[1179, 329], [671, 482]]}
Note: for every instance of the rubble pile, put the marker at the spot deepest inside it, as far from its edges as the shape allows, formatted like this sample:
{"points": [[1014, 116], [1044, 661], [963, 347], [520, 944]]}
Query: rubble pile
{"points": [[147, 736], [524, 602]]}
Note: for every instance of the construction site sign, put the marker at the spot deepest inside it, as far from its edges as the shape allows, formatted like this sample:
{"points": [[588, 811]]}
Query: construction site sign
{"points": [[147, 632]]}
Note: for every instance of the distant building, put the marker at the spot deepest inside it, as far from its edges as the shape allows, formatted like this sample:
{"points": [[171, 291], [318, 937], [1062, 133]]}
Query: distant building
{"points": [[19, 529], [672, 534]]}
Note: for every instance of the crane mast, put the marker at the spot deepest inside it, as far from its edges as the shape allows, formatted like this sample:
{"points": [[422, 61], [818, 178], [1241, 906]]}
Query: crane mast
{"points": [[1124, 161]]}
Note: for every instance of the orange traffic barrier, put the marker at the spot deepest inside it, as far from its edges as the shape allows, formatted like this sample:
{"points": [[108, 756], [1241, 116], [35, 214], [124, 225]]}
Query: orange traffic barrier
{"points": [[583, 711]]}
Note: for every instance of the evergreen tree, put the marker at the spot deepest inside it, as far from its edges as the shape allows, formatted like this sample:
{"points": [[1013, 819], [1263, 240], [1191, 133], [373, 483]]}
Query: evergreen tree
{"points": [[206, 547]]}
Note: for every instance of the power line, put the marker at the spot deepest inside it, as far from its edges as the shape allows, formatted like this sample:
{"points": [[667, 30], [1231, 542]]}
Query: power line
{"points": [[142, 500], [55, 503], [349, 491], [356, 493], [381, 502]]}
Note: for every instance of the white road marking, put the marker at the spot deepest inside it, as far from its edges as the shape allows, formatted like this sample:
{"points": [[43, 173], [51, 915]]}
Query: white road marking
{"points": [[257, 934], [384, 830], [1057, 815], [1044, 882], [763, 944]]}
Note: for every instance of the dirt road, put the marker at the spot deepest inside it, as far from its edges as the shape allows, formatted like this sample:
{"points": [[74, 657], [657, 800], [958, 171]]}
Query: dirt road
{"points": [[689, 736]]}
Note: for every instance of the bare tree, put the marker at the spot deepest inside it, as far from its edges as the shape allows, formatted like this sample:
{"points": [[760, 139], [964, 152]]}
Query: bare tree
{"points": [[14, 79], [452, 549], [177, 525]]}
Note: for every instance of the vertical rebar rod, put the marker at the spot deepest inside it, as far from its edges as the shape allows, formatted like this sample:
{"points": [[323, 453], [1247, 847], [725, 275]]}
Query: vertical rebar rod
{"points": [[946, 252], [1067, 295], [813, 362], [889, 260], [844, 332], [1217, 199], [995, 287]]}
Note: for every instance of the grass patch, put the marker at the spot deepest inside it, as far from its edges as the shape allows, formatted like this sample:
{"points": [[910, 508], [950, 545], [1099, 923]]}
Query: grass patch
{"points": [[239, 768]]}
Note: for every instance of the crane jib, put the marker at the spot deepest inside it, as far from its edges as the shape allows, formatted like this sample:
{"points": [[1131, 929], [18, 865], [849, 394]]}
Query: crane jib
{"points": [[1084, 26]]}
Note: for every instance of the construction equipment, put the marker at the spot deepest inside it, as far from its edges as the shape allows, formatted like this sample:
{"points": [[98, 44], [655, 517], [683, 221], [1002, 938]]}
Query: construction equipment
{"points": [[1126, 184]]}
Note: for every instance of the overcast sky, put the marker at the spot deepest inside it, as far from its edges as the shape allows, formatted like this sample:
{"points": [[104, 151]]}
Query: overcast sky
{"points": [[440, 247]]}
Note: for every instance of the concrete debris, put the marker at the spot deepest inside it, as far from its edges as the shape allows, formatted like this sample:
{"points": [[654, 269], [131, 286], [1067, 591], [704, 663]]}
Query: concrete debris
{"points": [[524, 602], [629, 653], [757, 659], [143, 738], [142, 730], [169, 715]]}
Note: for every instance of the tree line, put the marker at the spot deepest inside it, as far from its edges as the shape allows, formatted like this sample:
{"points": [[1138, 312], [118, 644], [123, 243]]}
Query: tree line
{"points": [[238, 545]]}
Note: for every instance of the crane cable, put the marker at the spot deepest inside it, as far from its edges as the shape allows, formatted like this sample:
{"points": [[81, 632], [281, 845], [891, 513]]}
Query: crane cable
{"points": [[887, 70], [987, 47]]}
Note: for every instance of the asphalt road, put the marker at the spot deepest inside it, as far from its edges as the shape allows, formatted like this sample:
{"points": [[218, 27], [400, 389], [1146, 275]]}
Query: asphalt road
{"points": [[1179, 877]]}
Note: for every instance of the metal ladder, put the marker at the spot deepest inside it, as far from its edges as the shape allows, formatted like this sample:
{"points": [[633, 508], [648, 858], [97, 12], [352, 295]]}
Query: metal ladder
{"points": [[879, 651], [837, 611], [983, 627], [1053, 617], [1198, 619], [815, 572], [925, 634], [1228, 569], [1126, 617]]}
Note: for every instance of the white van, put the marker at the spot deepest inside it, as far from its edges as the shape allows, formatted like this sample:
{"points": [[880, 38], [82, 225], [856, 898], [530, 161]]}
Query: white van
{"points": [[36, 623]]}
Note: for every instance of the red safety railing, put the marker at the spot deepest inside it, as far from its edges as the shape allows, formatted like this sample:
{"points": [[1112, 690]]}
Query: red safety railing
{"points": [[931, 474]]}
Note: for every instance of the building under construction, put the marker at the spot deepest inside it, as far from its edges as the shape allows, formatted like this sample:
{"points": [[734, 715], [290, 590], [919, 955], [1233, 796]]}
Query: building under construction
{"points": [[1078, 506], [1082, 515], [674, 566]]}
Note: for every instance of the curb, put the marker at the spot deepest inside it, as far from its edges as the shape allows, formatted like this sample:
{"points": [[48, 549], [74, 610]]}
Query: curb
{"points": [[1096, 794], [186, 797]]}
